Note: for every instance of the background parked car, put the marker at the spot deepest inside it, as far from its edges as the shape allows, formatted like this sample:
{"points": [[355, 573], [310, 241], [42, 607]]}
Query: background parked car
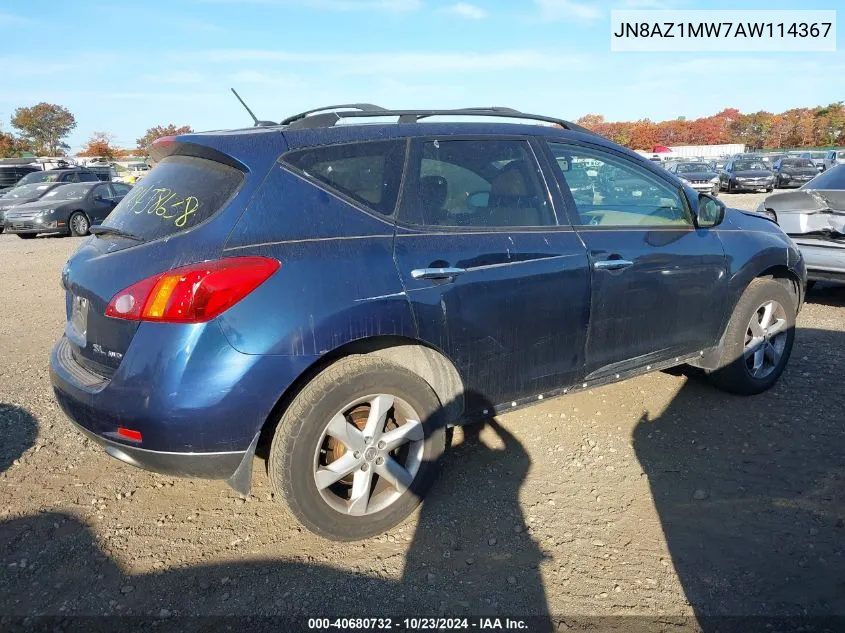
{"points": [[11, 172], [70, 175], [746, 174], [105, 173], [698, 175], [834, 157], [814, 217], [70, 208], [816, 157], [793, 172], [22, 195]]}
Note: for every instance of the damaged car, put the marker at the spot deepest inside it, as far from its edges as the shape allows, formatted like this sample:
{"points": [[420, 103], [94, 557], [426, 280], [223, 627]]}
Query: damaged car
{"points": [[814, 217]]}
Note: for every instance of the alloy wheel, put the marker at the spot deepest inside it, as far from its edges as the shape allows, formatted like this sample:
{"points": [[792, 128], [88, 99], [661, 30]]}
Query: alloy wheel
{"points": [[765, 339], [369, 454]]}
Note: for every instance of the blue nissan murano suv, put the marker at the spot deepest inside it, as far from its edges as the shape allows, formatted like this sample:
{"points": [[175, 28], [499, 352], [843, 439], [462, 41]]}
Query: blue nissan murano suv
{"points": [[342, 287]]}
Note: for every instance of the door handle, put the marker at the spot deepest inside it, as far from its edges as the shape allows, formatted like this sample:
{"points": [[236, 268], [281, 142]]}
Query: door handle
{"points": [[612, 264], [436, 273]]}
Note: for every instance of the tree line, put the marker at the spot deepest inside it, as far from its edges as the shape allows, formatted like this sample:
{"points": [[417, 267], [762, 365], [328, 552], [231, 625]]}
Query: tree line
{"points": [[42, 129], [822, 126]]}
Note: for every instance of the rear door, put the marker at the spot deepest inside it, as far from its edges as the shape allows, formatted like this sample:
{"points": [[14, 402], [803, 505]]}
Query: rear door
{"points": [[658, 283], [494, 280], [102, 203]]}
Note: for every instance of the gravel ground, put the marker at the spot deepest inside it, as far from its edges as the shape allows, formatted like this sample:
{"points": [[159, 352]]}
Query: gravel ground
{"points": [[656, 497]]}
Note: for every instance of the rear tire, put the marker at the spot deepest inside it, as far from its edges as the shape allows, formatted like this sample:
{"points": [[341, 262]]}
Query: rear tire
{"points": [[328, 448], [758, 339], [78, 224]]}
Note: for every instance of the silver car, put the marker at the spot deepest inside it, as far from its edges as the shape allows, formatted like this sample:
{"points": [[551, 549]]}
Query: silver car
{"points": [[814, 217]]}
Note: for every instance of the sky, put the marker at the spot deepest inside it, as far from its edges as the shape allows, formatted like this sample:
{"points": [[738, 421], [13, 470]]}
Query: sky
{"points": [[123, 67]]}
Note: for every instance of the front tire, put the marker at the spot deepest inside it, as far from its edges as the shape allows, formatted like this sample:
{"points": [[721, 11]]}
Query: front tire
{"points": [[79, 224], [357, 448], [758, 339]]}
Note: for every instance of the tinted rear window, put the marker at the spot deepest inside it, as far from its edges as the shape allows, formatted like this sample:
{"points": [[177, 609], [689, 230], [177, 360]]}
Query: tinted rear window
{"points": [[180, 193], [831, 179], [368, 173]]}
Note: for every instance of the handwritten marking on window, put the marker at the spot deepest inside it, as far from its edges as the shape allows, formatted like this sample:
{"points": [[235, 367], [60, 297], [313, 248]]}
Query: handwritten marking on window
{"points": [[163, 203]]}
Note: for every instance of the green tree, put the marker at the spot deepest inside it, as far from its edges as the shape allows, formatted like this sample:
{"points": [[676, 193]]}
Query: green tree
{"points": [[157, 132], [44, 126]]}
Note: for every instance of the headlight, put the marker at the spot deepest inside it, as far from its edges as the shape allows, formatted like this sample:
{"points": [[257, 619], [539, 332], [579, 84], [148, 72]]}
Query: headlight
{"points": [[686, 180], [714, 179]]}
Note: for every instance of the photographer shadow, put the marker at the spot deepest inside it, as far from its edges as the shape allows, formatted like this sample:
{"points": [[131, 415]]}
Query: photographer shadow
{"points": [[751, 493], [470, 555]]}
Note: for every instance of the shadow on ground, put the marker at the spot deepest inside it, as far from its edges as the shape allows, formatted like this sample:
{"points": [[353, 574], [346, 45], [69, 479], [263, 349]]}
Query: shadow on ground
{"points": [[751, 491], [18, 430], [464, 559]]}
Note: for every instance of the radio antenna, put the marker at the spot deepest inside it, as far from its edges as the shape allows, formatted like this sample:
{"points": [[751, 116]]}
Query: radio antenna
{"points": [[257, 122]]}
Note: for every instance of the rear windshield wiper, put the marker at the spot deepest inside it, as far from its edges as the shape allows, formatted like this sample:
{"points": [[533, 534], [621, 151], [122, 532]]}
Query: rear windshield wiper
{"points": [[110, 230]]}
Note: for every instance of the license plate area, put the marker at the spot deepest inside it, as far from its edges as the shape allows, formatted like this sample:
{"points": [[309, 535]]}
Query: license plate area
{"points": [[79, 320]]}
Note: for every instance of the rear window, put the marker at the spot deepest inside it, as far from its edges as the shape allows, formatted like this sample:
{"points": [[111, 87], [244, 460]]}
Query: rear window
{"points": [[180, 193], [368, 173], [831, 179]]}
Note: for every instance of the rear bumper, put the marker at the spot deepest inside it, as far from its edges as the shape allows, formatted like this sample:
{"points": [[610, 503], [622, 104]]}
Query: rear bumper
{"points": [[197, 402], [198, 465]]}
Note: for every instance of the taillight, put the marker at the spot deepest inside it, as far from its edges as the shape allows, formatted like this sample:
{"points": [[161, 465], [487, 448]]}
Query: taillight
{"points": [[192, 294]]}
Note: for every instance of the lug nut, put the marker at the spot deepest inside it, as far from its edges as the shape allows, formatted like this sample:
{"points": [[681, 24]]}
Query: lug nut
{"points": [[365, 467], [380, 461], [368, 440], [357, 454], [381, 445]]}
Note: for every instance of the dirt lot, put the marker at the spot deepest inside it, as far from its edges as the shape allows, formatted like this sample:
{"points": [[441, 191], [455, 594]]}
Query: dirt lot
{"points": [[655, 497]]}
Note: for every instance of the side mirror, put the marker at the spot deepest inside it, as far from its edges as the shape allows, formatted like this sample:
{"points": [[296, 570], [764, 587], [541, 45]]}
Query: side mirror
{"points": [[478, 199], [710, 212]]}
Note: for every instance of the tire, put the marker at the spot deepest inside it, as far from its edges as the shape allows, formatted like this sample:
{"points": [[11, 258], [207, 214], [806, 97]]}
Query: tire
{"points": [[730, 186], [811, 283], [769, 189], [78, 224], [27, 236], [737, 372], [302, 447]]}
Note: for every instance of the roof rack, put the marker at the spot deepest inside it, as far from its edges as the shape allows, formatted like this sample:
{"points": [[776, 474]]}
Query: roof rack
{"points": [[330, 115]]}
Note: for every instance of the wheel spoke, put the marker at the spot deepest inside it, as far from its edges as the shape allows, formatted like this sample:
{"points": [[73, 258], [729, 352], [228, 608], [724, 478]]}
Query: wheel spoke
{"points": [[395, 474], [777, 327], [771, 353], [754, 326], [337, 470], [345, 433], [359, 498], [753, 345], [759, 355], [411, 431], [766, 319], [379, 408]]}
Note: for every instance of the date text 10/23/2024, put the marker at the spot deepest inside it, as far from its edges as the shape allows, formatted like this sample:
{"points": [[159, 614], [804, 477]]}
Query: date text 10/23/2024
{"points": [[420, 624]]}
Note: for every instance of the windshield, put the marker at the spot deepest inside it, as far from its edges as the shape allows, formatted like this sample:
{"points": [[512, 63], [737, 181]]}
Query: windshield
{"points": [[747, 165], [797, 162], [181, 192], [833, 178], [689, 168], [817, 155], [38, 176], [68, 192], [34, 190]]}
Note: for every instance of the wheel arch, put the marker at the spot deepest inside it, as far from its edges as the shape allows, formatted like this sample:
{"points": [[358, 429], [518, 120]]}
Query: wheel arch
{"points": [[422, 359]]}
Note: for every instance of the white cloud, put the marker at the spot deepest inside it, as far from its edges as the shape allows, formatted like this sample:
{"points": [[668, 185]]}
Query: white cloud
{"points": [[553, 10], [466, 10], [176, 77], [404, 63]]}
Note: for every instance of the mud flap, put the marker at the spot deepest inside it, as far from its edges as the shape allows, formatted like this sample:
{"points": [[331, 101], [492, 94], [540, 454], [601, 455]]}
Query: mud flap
{"points": [[241, 479]]}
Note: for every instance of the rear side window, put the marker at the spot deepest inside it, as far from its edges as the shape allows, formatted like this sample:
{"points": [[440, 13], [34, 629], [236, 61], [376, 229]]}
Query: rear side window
{"points": [[180, 193], [830, 179], [475, 183], [368, 173]]}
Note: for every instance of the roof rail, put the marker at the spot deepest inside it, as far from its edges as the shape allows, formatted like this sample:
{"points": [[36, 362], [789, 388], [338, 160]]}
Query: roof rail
{"points": [[362, 107], [310, 119]]}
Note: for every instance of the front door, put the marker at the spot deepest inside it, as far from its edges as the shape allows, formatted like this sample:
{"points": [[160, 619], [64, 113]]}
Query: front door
{"points": [[495, 282], [657, 281]]}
